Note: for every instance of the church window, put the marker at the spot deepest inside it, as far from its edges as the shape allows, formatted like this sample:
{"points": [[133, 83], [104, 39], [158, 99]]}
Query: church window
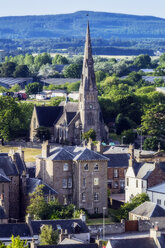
{"points": [[34, 123], [66, 167], [90, 119], [83, 197], [86, 167], [96, 167], [84, 182], [127, 181], [115, 173]]}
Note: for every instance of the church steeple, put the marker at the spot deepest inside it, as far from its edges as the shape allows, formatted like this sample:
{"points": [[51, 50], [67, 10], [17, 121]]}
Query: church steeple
{"points": [[88, 75], [89, 108]]}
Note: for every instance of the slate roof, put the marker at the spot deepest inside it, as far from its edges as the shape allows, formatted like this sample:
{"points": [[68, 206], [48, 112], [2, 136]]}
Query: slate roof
{"points": [[32, 183], [7, 230], [19, 163], [149, 209], [161, 240], [160, 188], [87, 154], [2, 213], [143, 170], [70, 246], [70, 106], [60, 154], [8, 166], [64, 224], [133, 243], [118, 160], [3, 177], [48, 116]]}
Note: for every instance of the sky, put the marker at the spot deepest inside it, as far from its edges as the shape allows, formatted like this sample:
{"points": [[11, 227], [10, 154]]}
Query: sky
{"points": [[43, 7]]}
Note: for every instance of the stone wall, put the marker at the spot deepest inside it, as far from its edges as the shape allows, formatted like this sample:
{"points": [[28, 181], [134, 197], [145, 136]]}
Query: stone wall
{"points": [[109, 229], [144, 225]]}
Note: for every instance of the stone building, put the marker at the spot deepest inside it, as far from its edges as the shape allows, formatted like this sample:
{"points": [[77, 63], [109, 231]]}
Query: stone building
{"points": [[70, 120], [78, 174]]}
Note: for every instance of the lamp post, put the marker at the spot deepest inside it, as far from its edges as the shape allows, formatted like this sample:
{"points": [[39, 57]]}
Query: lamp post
{"points": [[104, 208]]}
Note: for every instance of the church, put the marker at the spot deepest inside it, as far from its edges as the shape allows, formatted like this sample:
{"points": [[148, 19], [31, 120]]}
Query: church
{"points": [[68, 121]]}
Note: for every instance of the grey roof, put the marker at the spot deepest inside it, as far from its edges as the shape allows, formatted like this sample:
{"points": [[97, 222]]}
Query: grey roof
{"points": [[118, 160], [32, 183], [3, 177], [87, 154], [48, 116], [149, 209], [133, 243], [143, 170], [10, 81], [7, 230], [60, 154], [58, 81], [160, 188], [8, 166], [64, 224], [70, 246], [2, 213], [161, 240], [70, 106], [19, 163]]}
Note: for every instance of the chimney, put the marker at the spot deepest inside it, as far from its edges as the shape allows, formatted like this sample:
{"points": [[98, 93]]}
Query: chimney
{"points": [[131, 151], [45, 149], [21, 153], [90, 144], [99, 147], [12, 154]]}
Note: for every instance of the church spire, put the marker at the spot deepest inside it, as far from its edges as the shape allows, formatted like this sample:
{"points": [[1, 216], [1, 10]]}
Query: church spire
{"points": [[88, 75]]}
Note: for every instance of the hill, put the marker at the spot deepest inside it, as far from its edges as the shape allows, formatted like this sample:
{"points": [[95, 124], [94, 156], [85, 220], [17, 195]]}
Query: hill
{"points": [[104, 25]]}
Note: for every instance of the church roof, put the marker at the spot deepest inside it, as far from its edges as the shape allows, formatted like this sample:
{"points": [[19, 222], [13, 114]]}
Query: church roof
{"points": [[48, 116], [70, 106]]}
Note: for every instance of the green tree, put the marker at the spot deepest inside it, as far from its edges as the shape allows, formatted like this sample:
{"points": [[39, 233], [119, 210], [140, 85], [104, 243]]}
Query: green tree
{"points": [[15, 88], [129, 136], [91, 134], [49, 236], [122, 123], [7, 69], [59, 60], [55, 101], [33, 88], [29, 59], [72, 71], [17, 243], [38, 206], [152, 143], [2, 245], [21, 71], [143, 61], [42, 59], [129, 206]]}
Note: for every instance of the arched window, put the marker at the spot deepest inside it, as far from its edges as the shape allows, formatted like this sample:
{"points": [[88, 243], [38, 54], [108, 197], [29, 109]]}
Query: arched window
{"points": [[34, 123], [86, 167], [90, 119]]}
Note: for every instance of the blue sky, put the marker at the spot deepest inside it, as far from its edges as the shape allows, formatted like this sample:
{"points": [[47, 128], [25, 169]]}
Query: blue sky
{"points": [[42, 7]]}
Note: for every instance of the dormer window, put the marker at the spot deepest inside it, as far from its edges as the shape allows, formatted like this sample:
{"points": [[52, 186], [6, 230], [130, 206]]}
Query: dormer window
{"points": [[66, 167]]}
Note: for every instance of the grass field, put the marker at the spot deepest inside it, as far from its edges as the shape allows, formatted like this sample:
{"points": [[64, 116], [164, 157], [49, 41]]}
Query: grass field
{"points": [[30, 153], [98, 221]]}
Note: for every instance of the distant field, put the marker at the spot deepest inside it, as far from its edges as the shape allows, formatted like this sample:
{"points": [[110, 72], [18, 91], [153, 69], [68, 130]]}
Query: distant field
{"points": [[30, 153]]}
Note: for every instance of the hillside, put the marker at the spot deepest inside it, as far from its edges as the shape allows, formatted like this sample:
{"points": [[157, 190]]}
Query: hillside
{"points": [[104, 25]]}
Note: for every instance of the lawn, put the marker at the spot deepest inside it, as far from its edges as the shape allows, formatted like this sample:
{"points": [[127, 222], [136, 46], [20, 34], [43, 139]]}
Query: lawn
{"points": [[30, 153], [98, 221]]}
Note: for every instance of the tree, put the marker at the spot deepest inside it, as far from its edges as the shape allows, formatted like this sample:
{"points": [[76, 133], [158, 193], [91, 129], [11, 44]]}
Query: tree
{"points": [[59, 60], [21, 71], [122, 123], [48, 236], [129, 206], [38, 206], [72, 71], [15, 88], [143, 61], [152, 143], [33, 88], [2, 245], [42, 59], [55, 101], [7, 69], [17, 243], [91, 134], [153, 121], [129, 136]]}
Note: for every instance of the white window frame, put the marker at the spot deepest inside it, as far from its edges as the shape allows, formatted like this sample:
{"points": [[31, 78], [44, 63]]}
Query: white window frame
{"points": [[64, 183], [83, 197], [96, 196], [66, 167], [95, 181]]}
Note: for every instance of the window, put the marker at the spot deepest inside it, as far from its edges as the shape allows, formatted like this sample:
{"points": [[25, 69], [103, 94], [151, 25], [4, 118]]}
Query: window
{"points": [[125, 170], [96, 196], [64, 183], [122, 184], [110, 184], [158, 201], [96, 181], [84, 183], [115, 173], [96, 167], [86, 167], [34, 123], [136, 183], [69, 182], [116, 185], [83, 197], [66, 167], [127, 181], [96, 210]]}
